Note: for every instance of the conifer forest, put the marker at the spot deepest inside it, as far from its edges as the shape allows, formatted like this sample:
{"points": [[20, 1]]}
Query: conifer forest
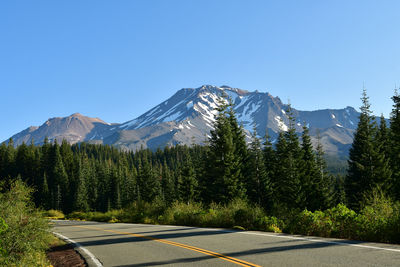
{"points": [[289, 176]]}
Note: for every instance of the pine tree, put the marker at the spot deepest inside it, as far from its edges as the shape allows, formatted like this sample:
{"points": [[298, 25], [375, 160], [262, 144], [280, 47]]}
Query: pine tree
{"points": [[22, 163], [7, 159], [383, 138], [309, 173], [258, 183], [46, 155], [102, 174], [45, 199], [288, 187], [324, 182], [92, 181], [395, 144], [187, 183], [115, 188], [270, 163], [383, 170], [168, 184], [81, 194], [224, 173], [239, 142], [148, 181], [59, 177], [366, 164], [128, 176]]}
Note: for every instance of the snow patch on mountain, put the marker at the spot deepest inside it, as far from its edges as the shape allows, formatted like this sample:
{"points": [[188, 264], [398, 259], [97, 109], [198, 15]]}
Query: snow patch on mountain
{"points": [[282, 126]]}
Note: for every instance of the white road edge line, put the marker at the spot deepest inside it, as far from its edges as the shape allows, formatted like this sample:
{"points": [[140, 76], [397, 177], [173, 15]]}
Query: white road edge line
{"points": [[322, 241], [88, 253], [290, 237]]}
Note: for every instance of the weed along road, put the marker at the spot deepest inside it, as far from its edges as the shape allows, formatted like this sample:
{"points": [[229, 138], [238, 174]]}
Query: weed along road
{"points": [[123, 244]]}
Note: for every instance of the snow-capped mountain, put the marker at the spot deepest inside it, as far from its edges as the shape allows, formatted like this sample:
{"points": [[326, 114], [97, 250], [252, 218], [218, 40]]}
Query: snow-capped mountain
{"points": [[188, 116]]}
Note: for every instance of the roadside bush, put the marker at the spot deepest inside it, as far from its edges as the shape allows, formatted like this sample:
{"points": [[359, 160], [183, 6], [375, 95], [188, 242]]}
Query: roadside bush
{"points": [[218, 216], [142, 212], [26, 237], [270, 224], [339, 222], [78, 215], [378, 219], [3, 227], [54, 214], [179, 213], [237, 214], [343, 221]]}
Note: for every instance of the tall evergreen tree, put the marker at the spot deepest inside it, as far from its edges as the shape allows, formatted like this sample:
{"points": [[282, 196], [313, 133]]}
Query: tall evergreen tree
{"points": [[325, 189], [309, 173], [258, 183], [383, 178], [395, 144], [288, 187], [168, 184], [148, 181], [224, 172], [45, 198], [239, 141], [81, 202], [8, 168], [366, 163], [59, 180], [128, 176], [115, 188], [187, 182], [383, 138], [270, 163]]}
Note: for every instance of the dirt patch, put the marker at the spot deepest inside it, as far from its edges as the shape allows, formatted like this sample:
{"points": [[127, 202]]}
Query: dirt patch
{"points": [[65, 256]]}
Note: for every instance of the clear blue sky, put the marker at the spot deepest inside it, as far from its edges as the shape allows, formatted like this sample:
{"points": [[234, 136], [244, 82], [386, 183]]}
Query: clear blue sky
{"points": [[116, 59]]}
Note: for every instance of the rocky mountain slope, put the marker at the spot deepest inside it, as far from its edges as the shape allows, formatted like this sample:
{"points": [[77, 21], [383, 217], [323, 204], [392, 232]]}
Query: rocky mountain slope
{"points": [[75, 128], [188, 116]]}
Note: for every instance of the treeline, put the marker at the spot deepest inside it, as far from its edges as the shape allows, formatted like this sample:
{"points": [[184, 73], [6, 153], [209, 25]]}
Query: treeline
{"points": [[84, 177], [289, 176]]}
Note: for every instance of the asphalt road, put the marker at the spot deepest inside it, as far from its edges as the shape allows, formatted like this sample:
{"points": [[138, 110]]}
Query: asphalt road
{"points": [[122, 244]]}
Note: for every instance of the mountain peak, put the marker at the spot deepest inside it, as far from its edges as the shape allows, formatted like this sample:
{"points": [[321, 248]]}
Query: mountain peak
{"points": [[190, 114]]}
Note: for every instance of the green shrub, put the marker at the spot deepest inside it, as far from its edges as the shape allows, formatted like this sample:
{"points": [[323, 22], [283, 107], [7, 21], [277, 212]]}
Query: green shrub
{"points": [[186, 213], [3, 227], [218, 216], [246, 215], [270, 224], [377, 220], [336, 222], [27, 236], [343, 221], [78, 215], [54, 214]]}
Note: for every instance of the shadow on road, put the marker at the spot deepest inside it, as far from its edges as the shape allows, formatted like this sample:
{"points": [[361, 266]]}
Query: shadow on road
{"points": [[236, 254], [127, 239]]}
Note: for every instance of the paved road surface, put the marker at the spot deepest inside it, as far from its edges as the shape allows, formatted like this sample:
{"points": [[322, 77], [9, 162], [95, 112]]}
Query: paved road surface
{"points": [[122, 244]]}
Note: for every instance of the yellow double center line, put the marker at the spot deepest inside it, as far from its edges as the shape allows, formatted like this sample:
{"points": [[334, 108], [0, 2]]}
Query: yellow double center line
{"points": [[200, 250]]}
